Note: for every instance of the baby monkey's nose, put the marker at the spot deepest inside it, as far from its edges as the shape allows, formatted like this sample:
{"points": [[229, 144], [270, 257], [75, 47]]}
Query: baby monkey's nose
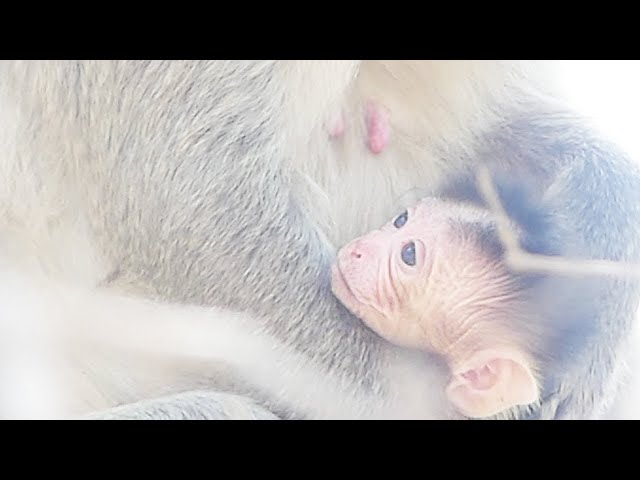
{"points": [[358, 250]]}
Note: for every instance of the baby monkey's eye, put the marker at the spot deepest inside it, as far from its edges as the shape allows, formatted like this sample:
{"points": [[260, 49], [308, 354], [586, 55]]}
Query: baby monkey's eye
{"points": [[401, 219], [408, 254]]}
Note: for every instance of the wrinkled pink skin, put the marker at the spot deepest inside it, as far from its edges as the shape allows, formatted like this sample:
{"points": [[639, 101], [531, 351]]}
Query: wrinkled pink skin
{"points": [[377, 125], [457, 300], [370, 278], [425, 305]]}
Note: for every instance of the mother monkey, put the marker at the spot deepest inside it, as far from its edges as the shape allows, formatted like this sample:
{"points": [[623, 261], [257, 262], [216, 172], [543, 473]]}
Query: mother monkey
{"points": [[229, 183]]}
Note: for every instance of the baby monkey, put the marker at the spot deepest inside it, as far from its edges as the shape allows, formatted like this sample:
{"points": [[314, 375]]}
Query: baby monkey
{"points": [[434, 279]]}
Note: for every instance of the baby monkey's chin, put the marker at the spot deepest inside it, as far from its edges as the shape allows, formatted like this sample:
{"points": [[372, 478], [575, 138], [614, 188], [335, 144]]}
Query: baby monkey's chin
{"points": [[403, 334], [341, 290]]}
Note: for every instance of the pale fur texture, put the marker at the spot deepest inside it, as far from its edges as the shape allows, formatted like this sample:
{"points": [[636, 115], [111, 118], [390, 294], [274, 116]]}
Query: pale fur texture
{"points": [[97, 349], [215, 184], [437, 109]]}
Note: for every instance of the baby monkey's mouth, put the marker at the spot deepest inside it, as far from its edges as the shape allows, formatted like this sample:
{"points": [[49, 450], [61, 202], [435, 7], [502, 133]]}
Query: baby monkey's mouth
{"points": [[341, 289]]}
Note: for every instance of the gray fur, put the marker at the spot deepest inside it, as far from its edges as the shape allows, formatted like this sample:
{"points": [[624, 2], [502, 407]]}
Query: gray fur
{"points": [[183, 176], [589, 186], [195, 405]]}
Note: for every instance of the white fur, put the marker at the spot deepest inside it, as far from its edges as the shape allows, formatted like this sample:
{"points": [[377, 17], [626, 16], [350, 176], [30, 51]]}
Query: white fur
{"points": [[346, 190], [45, 326], [434, 106]]}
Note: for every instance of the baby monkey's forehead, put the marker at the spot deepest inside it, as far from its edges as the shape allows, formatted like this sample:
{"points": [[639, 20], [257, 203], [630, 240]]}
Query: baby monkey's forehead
{"points": [[464, 221], [455, 208], [453, 212]]}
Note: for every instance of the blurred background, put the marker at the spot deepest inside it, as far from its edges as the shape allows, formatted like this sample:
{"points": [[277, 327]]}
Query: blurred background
{"points": [[609, 92]]}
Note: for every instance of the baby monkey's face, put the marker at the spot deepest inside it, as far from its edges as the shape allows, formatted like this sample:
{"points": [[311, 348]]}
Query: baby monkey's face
{"points": [[434, 279], [423, 278]]}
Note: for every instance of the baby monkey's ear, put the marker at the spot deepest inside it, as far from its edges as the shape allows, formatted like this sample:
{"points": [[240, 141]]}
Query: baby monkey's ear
{"points": [[492, 381]]}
